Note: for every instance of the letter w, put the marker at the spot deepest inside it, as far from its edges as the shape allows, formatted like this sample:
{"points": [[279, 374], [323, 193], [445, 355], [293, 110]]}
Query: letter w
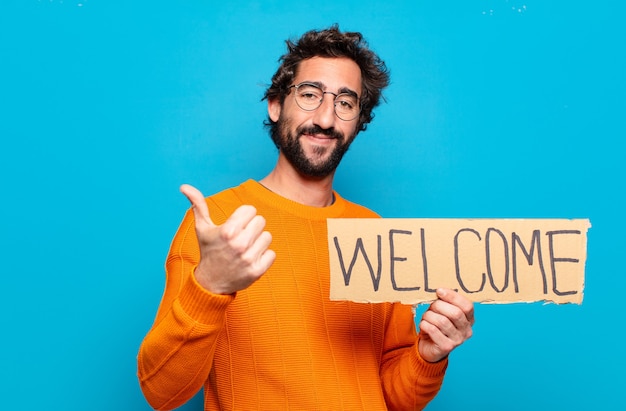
{"points": [[361, 248]]}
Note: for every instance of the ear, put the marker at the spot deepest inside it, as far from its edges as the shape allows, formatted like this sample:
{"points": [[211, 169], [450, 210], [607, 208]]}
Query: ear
{"points": [[273, 109]]}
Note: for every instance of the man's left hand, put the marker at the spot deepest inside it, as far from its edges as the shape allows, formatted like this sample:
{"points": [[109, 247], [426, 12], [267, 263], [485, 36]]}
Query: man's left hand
{"points": [[445, 325]]}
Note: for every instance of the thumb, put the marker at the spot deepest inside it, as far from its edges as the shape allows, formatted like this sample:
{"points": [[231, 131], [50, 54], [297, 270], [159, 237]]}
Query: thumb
{"points": [[198, 204]]}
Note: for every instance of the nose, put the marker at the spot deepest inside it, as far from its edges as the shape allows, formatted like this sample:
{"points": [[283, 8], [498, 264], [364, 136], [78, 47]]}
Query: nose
{"points": [[324, 116]]}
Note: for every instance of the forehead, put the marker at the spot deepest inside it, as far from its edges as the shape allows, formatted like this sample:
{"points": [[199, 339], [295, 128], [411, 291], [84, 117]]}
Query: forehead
{"points": [[334, 73]]}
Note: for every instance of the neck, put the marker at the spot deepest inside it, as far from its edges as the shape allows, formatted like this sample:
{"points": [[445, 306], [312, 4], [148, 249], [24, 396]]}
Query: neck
{"points": [[285, 181]]}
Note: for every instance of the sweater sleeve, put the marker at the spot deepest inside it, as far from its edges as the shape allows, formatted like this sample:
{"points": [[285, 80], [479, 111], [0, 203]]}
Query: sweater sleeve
{"points": [[409, 382], [176, 355]]}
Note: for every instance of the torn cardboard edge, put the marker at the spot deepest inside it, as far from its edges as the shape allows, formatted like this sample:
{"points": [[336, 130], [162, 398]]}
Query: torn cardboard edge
{"points": [[490, 261]]}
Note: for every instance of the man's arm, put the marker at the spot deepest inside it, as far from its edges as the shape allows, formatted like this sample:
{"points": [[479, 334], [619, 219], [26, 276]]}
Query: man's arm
{"points": [[412, 370], [409, 382], [206, 265], [176, 356]]}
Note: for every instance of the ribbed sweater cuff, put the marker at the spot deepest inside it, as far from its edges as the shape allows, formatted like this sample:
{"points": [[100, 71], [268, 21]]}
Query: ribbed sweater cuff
{"points": [[202, 305], [428, 369]]}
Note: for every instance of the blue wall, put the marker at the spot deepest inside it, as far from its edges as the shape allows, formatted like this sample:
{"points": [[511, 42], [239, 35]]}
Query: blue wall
{"points": [[499, 108]]}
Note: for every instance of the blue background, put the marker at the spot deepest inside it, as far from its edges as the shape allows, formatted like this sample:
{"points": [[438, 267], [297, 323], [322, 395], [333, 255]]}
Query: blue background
{"points": [[499, 108]]}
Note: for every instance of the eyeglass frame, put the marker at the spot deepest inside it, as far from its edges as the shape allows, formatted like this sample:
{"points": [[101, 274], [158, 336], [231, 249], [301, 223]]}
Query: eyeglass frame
{"points": [[347, 93]]}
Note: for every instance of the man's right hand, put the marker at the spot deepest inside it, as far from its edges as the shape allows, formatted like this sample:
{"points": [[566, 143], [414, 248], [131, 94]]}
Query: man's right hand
{"points": [[233, 255]]}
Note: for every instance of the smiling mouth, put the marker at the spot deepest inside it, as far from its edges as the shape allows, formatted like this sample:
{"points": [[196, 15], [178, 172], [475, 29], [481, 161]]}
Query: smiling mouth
{"points": [[321, 136]]}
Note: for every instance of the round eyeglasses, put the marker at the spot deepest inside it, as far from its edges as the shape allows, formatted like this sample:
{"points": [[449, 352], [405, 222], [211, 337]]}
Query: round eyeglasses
{"points": [[309, 97]]}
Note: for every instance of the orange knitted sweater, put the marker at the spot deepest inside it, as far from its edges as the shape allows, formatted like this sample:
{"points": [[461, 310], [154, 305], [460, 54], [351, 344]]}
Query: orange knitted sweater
{"points": [[281, 344]]}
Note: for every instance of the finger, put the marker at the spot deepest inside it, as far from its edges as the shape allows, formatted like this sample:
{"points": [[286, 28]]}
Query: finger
{"points": [[252, 242], [253, 230], [438, 319], [434, 345], [433, 331], [443, 331], [198, 204], [459, 301], [266, 260], [258, 248], [238, 221], [451, 320]]}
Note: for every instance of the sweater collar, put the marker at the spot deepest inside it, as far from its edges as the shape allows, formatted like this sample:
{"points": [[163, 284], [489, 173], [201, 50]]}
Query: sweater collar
{"points": [[271, 199]]}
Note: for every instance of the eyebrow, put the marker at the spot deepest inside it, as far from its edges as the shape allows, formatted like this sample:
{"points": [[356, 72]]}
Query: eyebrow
{"points": [[342, 90]]}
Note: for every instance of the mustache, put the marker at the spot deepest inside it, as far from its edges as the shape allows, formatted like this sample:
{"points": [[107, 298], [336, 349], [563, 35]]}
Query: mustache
{"points": [[330, 132]]}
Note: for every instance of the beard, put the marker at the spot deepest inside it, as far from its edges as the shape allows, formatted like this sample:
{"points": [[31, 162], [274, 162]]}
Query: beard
{"points": [[323, 161]]}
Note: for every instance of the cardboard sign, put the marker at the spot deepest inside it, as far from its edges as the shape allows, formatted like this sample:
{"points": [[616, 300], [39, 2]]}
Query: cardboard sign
{"points": [[487, 260]]}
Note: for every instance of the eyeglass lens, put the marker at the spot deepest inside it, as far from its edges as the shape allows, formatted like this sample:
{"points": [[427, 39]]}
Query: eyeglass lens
{"points": [[309, 97]]}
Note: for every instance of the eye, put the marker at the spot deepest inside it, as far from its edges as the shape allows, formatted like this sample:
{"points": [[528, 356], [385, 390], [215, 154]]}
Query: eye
{"points": [[309, 93], [345, 102], [309, 96]]}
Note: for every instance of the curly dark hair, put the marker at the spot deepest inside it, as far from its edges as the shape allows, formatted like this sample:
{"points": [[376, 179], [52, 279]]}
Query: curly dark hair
{"points": [[332, 43]]}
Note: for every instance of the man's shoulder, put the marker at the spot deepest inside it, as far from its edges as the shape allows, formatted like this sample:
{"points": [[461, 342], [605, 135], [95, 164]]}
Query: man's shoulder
{"points": [[354, 210], [228, 195]]}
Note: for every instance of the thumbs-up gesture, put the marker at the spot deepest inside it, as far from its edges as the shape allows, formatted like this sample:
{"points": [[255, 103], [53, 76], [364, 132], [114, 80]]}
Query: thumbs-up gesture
{"points": [[232, 255]]}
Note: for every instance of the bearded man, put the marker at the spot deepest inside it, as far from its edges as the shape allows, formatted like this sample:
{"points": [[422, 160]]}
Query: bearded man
{"points": [[246, 311]]}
